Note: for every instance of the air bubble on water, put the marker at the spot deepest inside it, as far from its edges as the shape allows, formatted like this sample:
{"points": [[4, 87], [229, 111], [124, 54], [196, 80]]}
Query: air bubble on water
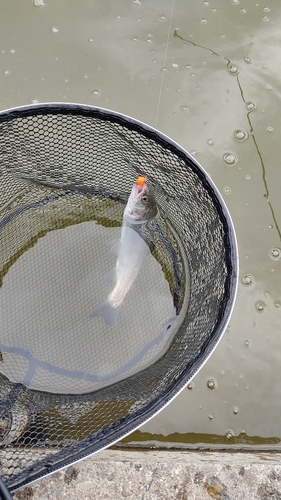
{"points": [[277, 304], [266, 9], [210, 142], [203, 21], [229, 434], [241, 135], [137, 2], [243, 11], [235, 1], [206, 2], [227, 190], [269, 129], [247, 177], [235, 410], [233, 70], [211, 383], [185, 108], [276, 253], [247, 279], [55, 29], [174, 65], [190, 386], [163, 18], [270, 226], [265, 18], [7, 72], [187, 66], [38, 3], [194, 152], [246, 343], [248, 60], [91, 39], [12, 51], [135, 39], [260, 306], [96, 93], [34, 101], [210, 417], [230, 158], [250, 105]]}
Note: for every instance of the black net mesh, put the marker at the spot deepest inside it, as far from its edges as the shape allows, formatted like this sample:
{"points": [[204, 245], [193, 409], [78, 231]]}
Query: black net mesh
{"points": [[69, 385]]}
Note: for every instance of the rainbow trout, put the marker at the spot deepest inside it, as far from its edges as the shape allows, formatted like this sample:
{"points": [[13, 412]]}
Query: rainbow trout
{"points": [[132, 250]]}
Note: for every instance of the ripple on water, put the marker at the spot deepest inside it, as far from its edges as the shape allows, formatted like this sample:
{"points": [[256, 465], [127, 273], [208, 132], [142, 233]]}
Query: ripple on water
{"points": [[230, 158], [275, 253], [260, 306], [250, 105], [233, 70], [229, 434], [247, 279], [211, 383], [241, 135]]}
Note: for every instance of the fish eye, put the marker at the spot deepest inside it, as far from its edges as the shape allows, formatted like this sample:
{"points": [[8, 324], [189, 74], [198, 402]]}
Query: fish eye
{"points": [[144, 198]]}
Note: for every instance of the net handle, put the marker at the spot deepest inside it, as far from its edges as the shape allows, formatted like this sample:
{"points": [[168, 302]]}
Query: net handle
{"points": [[4, 492]]}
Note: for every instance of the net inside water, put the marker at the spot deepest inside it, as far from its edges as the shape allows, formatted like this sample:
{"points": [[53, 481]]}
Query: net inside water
{"points": [[71, 384]]}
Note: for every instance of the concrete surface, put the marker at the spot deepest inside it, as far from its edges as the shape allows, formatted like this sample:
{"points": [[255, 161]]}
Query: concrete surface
{"points": [[151, 475]]}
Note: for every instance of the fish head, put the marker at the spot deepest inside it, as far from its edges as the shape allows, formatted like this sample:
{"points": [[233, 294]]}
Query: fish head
{"points": [[141, 205]]}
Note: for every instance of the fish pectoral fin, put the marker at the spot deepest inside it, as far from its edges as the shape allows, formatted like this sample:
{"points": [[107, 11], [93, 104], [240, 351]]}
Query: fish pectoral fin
{"points": [[106, 311], [111, 276], [115, 249], [114, 242]]}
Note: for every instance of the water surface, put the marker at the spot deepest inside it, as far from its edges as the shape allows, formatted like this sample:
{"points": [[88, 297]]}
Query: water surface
{"points": [[206, 73]]}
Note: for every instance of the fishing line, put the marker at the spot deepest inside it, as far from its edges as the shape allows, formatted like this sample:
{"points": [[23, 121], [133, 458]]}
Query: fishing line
{"points": [[164, 63]]}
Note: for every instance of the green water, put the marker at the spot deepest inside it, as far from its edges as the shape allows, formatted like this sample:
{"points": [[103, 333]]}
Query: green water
{"points": [[206, 73]]}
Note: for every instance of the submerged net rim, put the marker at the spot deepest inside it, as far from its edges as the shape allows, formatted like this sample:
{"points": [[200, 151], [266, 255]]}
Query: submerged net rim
{"points": [[118, 430]]}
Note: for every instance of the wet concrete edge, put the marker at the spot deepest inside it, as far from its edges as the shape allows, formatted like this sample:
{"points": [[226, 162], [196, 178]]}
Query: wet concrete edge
{"points": [[154, 474]]}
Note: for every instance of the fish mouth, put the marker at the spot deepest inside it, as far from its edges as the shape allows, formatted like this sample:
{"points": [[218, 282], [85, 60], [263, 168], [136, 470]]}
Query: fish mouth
{"points": [[141, 189]]}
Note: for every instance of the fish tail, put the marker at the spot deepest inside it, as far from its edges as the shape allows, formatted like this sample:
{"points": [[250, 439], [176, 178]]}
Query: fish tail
{"points": [[106, 311]]}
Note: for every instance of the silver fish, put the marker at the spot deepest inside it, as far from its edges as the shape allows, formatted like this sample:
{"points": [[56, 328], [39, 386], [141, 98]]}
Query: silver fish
{"points": [[133, 250]]}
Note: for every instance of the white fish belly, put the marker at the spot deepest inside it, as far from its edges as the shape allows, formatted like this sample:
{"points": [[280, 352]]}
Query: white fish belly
{"points": [[132, 255]]}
